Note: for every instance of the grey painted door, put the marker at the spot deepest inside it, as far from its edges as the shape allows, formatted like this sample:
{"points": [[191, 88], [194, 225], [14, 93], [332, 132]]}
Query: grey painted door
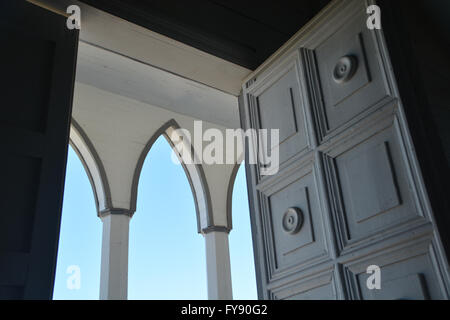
{"points": [[38, 65], [348, 193]]}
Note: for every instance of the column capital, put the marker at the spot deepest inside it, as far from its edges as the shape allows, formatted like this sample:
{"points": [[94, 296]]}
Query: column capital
{"points": [[115, 211], [215, 229]]}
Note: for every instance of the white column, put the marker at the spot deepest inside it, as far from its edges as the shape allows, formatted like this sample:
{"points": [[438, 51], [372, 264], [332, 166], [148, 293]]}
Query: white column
{"points": [[114, 264], [218, 264]]}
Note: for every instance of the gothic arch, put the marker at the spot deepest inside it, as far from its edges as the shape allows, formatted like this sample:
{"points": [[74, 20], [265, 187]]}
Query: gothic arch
{"points": [[230, 195], [194, 174], [95, 170]]}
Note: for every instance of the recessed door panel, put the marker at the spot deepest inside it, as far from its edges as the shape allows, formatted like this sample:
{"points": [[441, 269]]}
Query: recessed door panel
{"points": [[295, 225], [406, 273], [318, 287], [373, 184], [350, 75], [278, 106]]}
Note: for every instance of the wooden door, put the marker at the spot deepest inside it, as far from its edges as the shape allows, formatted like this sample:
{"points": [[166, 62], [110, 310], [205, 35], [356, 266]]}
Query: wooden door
{"points": [[348, 194], [38, 58]]}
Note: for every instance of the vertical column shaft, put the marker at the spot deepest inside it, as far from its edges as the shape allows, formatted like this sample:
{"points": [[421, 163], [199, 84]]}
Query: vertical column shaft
{"points": [[218, 265], [114, 263]]}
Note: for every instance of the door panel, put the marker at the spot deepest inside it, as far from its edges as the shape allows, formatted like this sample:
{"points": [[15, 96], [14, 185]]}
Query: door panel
{"points": [[276, 104], [318, 287], [370, 178], [350, 73], [38, 63], [350, 174], [294, 224], [30, 110], [407, 274]]}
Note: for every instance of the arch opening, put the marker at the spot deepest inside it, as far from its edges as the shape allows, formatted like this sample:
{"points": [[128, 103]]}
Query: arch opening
{"points": [[166, 255], [194, 173], [243, 273], [79, 249]]}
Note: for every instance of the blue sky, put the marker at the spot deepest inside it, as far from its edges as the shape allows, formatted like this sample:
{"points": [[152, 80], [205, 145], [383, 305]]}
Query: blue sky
{"points": [[166, 254]]}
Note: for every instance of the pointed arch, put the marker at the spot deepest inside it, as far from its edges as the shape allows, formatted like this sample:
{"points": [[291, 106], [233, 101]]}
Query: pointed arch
{"points": [[194, 174], [95, 170], [230, 195]]}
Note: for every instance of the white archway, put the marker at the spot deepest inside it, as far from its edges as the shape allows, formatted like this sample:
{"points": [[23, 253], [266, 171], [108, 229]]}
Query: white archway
{"points": [[194, 174], [86, 152]]}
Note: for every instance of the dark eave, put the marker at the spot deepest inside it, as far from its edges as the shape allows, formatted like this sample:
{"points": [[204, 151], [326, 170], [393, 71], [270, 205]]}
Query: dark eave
{"points": [[242, 32]]}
